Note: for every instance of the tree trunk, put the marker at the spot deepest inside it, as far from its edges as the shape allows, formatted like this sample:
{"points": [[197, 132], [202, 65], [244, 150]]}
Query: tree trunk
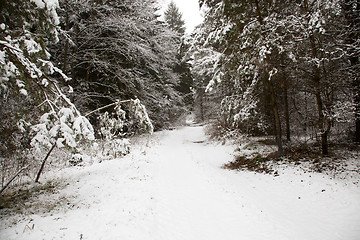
{"points": [[43, 163], [287, 113], [278, 132], [357, 122], [352, 14], [323, 124], [200, 97], [323, 121], [258, 12], [275, 109], [66, 48], [324, 143], [268, 82], [286, 99]]}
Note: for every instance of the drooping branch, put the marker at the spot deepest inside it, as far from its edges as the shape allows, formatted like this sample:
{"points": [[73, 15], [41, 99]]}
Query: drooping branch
{"points": [[107, 106]]}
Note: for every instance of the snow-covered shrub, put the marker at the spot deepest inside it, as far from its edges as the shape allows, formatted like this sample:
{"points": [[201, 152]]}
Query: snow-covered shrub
{"points": [[114, 149], [141, 115], [99, 150], [120, 123], [78, 159], [111, 125], [64, 128], [114, 126]]}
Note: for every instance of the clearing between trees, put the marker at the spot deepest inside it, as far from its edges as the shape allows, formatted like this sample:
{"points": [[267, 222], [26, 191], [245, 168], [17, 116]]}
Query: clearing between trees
{"points": [[173, 186]]}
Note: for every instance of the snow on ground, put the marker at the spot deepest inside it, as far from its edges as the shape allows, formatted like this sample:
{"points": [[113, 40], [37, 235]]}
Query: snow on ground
{"points": [[172, 186]]}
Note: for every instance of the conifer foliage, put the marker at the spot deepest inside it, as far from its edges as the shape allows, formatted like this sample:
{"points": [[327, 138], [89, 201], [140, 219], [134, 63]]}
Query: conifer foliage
{"points": [[35, 111], [27, 83], [174, 21], [119, 50], [282, 65], [173, 18]]}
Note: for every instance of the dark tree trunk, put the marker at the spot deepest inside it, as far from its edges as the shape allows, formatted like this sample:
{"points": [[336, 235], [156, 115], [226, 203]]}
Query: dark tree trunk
{"points": [[286, 99], [356, 92], [276, 117], [351, 10], [323, 123], [258, 12], [201, 103], [324, 143], [67, 45], [357, 120], [269, 83], [278, 132], [43, 163]]}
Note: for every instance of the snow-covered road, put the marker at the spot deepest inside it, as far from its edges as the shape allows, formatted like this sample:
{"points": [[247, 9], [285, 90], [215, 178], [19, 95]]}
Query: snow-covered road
{"points": [[194, 200], [172, 187]]}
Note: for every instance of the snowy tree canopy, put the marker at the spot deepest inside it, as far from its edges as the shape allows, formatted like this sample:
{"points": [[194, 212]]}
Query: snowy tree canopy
{"points": [[268, 49], [119, 49], [173, 18], [44, 110]]}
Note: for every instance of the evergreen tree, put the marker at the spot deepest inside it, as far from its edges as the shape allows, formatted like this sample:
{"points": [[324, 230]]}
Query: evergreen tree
{"points": [[351, 11], [120, 50], [182, 67], [173, 18], [270, 48], [204, 66], [34, 111]]}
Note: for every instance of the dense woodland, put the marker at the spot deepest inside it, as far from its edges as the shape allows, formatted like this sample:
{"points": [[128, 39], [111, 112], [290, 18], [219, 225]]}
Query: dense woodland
{"points": [[288, 69], [284, 68]]}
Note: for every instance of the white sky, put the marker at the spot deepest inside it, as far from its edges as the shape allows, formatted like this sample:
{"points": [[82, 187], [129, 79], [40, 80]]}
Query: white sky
{"points": [[189, 9]]}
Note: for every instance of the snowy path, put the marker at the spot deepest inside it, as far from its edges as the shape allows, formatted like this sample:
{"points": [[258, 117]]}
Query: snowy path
{"points": [[193, 202], [174, 189]]}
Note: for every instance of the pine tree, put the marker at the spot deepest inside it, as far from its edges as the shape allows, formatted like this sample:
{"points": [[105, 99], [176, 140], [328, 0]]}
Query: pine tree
{"points": [[271, 48], [120, 50], [351, 11], [173, 18]]}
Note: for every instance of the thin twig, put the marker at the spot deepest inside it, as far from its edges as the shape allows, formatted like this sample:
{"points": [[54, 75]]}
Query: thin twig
{"points": [[107, 106]]}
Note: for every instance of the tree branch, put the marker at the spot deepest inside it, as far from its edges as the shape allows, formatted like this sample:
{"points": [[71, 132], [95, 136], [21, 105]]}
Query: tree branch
{"points": [[107, 106]]}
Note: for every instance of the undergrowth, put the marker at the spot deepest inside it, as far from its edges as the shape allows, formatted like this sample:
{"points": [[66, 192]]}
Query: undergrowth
{"points": [[35, 199], [255, 164], [258, 154]]}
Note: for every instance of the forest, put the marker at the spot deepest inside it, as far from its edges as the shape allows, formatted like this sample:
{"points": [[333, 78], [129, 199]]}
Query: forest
{"points": [[78, 71], [284, 68], [118, 122]]}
